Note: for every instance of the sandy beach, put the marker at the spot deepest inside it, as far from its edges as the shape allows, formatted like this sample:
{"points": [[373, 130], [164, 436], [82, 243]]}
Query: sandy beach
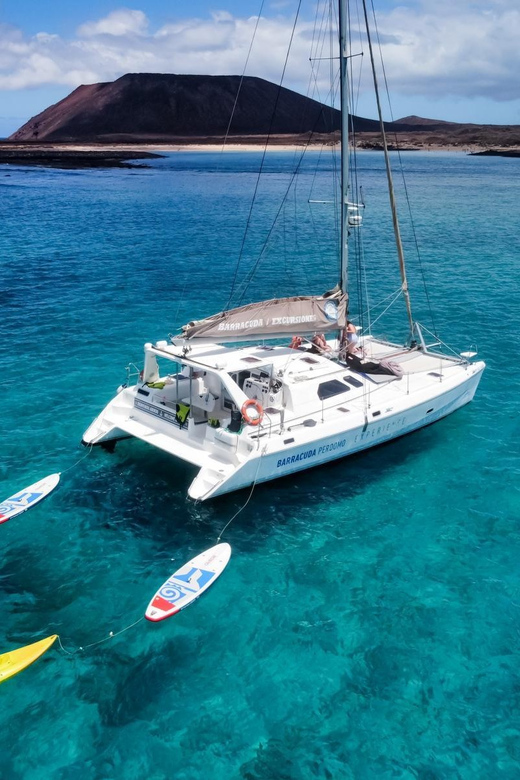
{"points": [[131, 155], [158, 148]]}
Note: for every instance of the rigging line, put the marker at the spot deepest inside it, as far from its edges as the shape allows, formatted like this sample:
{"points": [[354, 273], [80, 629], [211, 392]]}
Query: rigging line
{"points": [[242, 76], [335, 81], [313, 182], [399, 293], [361, 54], [442, 343], [311, 59], [313, 77], [332, 90], [367, 295], [315, 36], [355, 175], [315, 70], [313, 90], [383, 301], [353, 162], [271, 122], [408, 203], [330, 97], [335, 88], [390, 183], [253, 270]]}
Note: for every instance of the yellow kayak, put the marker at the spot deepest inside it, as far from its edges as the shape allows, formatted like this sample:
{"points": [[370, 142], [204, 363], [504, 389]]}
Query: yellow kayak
{"points": [[13, 662]]}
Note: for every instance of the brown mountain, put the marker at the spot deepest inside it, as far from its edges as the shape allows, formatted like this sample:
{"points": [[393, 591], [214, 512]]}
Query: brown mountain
{"points": [[152, 108], [419, 121], [416, 130], [161, 107]]}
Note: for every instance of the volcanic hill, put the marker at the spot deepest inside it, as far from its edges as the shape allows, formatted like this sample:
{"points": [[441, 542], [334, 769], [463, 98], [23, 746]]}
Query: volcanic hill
{"points": [[149, 107], [155, 108]]}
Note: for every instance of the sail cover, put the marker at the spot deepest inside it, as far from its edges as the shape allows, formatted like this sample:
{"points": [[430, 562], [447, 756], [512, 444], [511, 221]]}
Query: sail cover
{"points": [[277, 317]]}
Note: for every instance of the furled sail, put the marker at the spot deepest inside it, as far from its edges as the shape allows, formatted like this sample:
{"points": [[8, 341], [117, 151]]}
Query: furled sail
{"points": [[276, 317]]}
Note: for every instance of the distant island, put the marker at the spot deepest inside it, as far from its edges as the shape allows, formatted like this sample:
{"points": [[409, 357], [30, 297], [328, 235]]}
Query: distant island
{"points": [[149, 110]]}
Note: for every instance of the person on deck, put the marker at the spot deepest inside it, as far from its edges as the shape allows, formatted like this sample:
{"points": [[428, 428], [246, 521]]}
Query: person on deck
{"points": [[352, 337], [319, 344], [349, 339]]}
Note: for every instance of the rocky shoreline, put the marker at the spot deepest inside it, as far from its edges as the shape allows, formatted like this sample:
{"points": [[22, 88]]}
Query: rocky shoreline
{"points": [[65, 157]]}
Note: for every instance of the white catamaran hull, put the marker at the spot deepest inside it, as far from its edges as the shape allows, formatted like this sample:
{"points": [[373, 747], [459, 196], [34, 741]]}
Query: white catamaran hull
{"points": [[271, 461], [359, 419]]}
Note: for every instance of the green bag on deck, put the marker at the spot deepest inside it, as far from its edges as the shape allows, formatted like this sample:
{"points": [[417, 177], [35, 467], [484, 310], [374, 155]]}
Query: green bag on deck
{"points": [[182, 413]]}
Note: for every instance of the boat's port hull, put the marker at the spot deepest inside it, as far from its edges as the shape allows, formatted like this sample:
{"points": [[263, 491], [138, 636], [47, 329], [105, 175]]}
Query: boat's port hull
{"points": [[372, 432], [111, 437]]}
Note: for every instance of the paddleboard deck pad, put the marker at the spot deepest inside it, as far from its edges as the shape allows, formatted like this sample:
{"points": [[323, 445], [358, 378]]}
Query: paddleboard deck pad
{"points": [[27, 498], [188, 582], [13, 662]]}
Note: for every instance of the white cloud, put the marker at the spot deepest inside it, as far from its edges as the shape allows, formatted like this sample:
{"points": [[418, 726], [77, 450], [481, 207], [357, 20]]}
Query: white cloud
{"points": [[119, 23], [431, 48], [454, 49]]}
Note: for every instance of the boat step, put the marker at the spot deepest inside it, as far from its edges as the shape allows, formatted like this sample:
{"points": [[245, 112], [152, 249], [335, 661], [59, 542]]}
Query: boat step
{"points": [[187, 452]]}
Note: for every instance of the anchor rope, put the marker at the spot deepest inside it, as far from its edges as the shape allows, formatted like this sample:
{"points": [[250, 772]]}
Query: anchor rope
{"points": [[89, 450], [247, 501]]}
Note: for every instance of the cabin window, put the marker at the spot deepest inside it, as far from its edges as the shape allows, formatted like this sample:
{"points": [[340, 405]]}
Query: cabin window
{"points": [[352, 381], [330, 389]]}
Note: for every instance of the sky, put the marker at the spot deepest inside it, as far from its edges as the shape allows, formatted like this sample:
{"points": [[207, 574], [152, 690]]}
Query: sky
{"points": [[457, 60]]}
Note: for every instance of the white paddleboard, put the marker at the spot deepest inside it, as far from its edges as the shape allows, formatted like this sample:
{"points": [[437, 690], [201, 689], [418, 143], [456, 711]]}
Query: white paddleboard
{"points": [[27, 498], [188, 582]]}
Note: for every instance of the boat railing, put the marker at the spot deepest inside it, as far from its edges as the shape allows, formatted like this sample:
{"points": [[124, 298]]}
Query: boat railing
{"points": [[134, 374], [454, 357], [278, 427]]}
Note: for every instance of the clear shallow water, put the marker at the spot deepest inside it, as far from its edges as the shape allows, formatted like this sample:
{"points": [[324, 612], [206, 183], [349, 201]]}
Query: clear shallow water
{"points": [[368, 623]]}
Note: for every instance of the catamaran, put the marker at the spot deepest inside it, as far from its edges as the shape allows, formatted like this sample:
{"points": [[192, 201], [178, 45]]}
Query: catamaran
{"points": [[227, 397]]}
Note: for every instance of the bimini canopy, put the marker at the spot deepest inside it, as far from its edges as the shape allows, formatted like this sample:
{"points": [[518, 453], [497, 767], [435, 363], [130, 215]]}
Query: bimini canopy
{"points": [[270, 319]]}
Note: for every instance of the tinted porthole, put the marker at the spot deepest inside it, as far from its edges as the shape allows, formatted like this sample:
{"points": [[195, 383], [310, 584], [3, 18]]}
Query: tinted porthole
{"points": [[330, 389], [352, 381]]}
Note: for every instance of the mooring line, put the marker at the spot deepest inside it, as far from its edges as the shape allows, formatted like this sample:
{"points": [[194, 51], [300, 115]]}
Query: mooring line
{"points": [[89, 450], [248, 498]]}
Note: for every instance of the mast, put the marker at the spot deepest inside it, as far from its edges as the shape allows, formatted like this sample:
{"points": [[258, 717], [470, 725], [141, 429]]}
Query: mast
{"points": [[345, 118], [393, 206]]}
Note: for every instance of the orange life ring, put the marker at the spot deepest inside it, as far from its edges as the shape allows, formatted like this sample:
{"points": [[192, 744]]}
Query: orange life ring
{"points": [[252, 403]]}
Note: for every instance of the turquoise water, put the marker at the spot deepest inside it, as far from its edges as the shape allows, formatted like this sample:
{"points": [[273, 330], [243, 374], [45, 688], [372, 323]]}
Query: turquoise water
{"points": [[367, 625]]}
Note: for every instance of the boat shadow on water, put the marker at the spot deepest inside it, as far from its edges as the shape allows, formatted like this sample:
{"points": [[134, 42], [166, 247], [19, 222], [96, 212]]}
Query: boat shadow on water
{"points": [[151, 500]]}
